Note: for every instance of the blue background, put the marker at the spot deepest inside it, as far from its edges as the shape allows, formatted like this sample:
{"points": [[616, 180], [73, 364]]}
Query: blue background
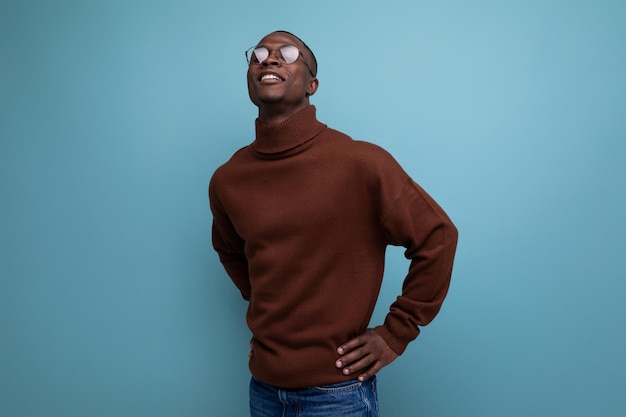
{"points": [[114, 114]]}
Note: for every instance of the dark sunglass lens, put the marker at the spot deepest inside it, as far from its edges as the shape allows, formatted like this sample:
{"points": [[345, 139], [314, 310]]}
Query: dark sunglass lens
{"points": [[289, 53]]}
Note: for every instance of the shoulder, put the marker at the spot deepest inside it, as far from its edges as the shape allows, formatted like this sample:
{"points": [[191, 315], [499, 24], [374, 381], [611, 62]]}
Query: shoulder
{"points": [[368, 156], [357, 149]]}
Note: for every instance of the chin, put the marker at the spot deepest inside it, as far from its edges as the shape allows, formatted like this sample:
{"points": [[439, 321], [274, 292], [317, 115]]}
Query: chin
{"points": [[268, 100]]}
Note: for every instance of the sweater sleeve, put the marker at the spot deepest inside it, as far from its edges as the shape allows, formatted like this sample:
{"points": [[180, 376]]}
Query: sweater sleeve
{"points": [[229, 246], [414, 220]]}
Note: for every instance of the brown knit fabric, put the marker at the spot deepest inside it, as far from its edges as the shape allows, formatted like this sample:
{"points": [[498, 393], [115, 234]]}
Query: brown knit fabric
{"points": [[290, 137], [301, 220]]}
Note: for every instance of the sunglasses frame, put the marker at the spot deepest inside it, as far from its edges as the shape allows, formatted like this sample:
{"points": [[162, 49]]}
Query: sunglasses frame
{"points": [[250, 53]]}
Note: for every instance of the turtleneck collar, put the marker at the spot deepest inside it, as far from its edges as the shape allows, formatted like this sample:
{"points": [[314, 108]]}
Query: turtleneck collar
{"points": [[288, 137]]}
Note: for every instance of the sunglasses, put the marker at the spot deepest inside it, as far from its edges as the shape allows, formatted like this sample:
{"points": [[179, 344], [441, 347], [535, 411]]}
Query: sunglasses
{"points": [[287, 54]]}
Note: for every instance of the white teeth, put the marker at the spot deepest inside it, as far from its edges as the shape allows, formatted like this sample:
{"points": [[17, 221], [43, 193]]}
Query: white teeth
{"points": [[270, 77]]}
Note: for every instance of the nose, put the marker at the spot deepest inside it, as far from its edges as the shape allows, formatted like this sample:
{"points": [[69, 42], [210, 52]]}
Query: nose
{"points": [[272, 59]]}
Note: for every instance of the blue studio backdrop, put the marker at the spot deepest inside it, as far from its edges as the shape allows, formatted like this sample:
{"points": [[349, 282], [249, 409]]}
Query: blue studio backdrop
{"points": [[114, 115]]}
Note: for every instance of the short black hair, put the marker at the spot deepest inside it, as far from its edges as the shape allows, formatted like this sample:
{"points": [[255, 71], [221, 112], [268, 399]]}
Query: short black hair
{"points": [[307, 48]]}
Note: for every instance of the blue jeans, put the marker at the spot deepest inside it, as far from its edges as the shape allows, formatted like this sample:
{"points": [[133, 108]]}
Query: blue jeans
{"points": [[346, 399]]}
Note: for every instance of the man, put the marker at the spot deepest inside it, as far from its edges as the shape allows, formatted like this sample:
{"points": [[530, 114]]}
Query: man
{"points": [[301, 220]]}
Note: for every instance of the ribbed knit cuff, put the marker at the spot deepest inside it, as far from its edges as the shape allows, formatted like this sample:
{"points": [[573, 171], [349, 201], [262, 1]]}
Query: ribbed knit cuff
{"points": [[397, 337]]}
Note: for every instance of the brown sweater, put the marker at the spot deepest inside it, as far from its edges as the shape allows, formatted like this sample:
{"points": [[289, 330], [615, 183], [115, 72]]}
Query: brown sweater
{"points": [[301, 220]]}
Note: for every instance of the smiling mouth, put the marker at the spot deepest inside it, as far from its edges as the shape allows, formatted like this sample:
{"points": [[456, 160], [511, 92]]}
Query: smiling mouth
{"points": [[270, 77]]}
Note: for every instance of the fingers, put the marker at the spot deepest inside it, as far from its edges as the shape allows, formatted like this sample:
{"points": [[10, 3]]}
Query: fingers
{"points": [[356, 360], [366, 353], [350, 357], [370, 372], [367, 363], [350, 344]]}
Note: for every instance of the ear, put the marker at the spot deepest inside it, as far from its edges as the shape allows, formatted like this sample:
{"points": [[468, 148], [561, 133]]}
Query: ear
{"points": [[312, 87]]}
